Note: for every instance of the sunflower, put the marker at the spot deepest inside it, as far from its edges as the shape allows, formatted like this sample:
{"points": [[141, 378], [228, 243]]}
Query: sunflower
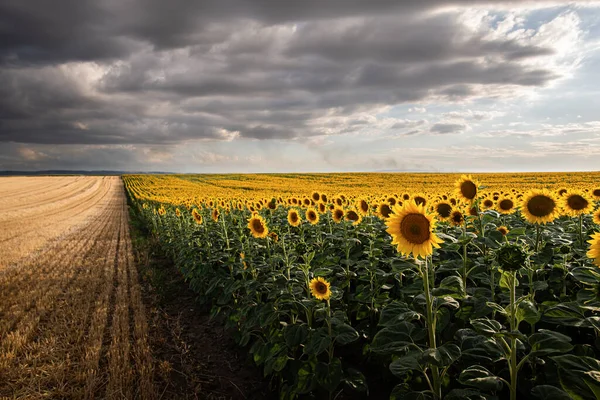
{"points": [[384, 210], [596, 193], [596, 217], [257, 226], [272, 205], [312, 216], [315, 196], [487, 203], [197, 217], [322, 208], [362, 206], [594, 251], [162, 211], [353, 216], [293, 217], [575, 203], [391, 200], [177, 212], [324, 198], [420, 199], [539, 206], [443, 209], [466, 188], [503, 230], [456, 217], [505, 205], [320, 288], [306, 202], [412, 230], [215, 215], [561, 192], [337, 214], [274, 236]]}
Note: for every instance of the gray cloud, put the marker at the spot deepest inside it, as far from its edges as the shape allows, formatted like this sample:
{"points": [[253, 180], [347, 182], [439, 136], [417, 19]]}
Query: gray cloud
{"points": [[443, 128], [159, 73]]}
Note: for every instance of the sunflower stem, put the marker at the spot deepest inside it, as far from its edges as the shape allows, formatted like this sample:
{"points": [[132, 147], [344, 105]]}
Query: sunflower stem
{"points": [[431, 326], [581, 229], [464, 269], [513, 340], [537, 237]]}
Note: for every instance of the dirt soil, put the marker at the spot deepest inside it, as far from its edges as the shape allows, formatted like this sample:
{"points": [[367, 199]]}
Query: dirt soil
{"points": [[196, 358]]}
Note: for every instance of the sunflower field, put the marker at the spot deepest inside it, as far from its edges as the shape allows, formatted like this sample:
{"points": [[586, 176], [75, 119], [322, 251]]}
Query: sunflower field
{"points": [[400, 286]]}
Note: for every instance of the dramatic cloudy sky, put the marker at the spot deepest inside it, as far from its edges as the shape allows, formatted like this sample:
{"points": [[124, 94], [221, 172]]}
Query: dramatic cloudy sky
{"points": [[311, 85]]}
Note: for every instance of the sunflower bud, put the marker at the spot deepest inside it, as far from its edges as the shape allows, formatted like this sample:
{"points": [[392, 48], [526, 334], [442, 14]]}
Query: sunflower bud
{"points": [[511, 257]]}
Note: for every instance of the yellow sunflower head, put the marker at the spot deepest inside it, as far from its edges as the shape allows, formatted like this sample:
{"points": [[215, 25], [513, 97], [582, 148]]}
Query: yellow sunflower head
{"points": [[412, 229], [215, 214], [337, 214], [320, 288], [456, 217], [362, 206], [324, 198], [539, 206], [596, 217], [177, 212], [420, 199], [312, 216], [384, 210], [353, 216], [391, 200], [274, 236], [322, 208], [487, 203], [197, 217], [315, 196], [466, 188], [443, 209], [505, 205], [258, 227], [596, 193], [594, 251], [293, 217], [503, 230], [575, 203]]}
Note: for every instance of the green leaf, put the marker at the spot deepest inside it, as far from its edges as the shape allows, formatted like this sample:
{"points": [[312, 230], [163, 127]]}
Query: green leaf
{"points": [[329, 375], [408, 363], [579, 376], [442, 356], [396, 311], [404, 392], [481, 378], [295, 335], [497, 307], [356, 380], [527, 311], [395, 338], [547, 342], [318, 342], [344, 334], [465, 394], [450, 286], [544, 392], [505, 278], [569, 314], [486, 326], [586, 275], [306, 377]]}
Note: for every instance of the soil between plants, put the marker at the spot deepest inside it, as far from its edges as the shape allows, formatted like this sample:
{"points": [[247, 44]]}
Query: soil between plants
{"points": [[194, 356]]}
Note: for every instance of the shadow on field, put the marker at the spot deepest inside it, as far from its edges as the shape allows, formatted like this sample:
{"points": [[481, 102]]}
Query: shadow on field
{"points": [[194, 356]]}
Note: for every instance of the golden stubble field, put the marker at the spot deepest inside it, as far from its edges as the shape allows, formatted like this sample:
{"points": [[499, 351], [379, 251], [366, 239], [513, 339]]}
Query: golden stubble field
{"points": [[72, 321]]}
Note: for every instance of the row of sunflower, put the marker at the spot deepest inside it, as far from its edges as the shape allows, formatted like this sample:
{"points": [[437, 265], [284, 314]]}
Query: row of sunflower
{"points": [[474, 293]]}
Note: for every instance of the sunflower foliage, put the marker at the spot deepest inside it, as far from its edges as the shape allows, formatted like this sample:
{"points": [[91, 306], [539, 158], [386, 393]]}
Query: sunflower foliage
{"points": [[334, 301]]}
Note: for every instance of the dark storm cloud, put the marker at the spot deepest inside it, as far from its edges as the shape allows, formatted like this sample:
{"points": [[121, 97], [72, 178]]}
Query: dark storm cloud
{"points": [[161, 72]]}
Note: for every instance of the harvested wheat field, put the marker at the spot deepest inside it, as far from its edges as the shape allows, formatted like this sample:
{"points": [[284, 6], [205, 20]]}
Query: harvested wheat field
{"points": [[72, 321]]}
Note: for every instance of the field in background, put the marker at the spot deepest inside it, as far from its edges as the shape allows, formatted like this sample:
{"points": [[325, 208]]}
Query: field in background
{"points": [[72, 323]]}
